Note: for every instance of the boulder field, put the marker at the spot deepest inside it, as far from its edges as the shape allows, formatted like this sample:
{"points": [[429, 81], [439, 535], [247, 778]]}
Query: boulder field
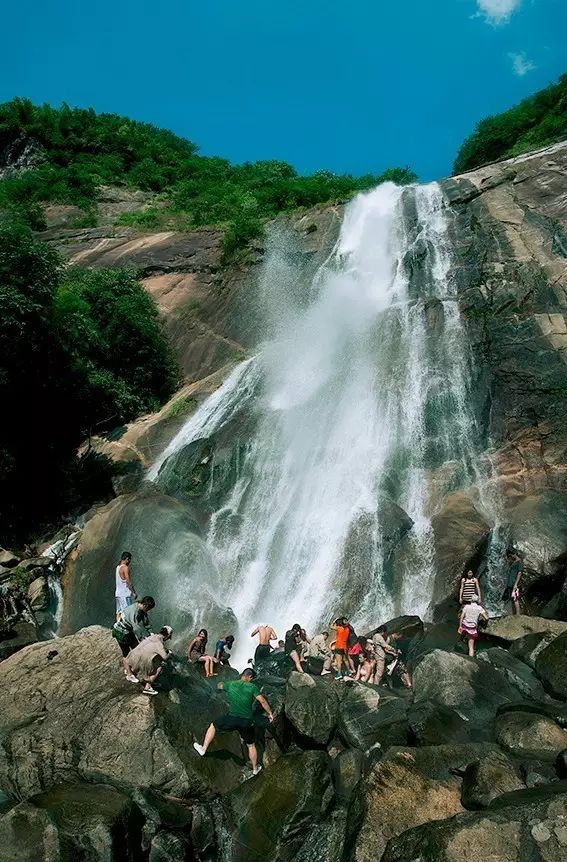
{"points": [[472, 762]]}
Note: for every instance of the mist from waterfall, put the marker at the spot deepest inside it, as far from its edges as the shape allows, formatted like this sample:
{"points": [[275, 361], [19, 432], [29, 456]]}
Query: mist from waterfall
{"points": [[361, 400]]}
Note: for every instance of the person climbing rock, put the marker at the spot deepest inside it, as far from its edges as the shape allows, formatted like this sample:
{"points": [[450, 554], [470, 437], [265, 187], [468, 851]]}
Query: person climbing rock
{"points": [[124, 592], [265, 635], [468, 588], [468, 622], [319, 649], [514, 577], [342, 632], [197, 653], [132, 628], [242, 695], [382, 648], [222, 648], [146, 660]]}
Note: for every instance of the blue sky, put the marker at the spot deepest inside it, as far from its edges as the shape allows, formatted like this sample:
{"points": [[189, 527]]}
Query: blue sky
{"points": [[350, 86]]}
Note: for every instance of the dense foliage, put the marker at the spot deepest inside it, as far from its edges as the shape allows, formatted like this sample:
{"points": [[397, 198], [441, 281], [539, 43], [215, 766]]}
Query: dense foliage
{"points": [[78, 352], [82, 150], [537, 121]]}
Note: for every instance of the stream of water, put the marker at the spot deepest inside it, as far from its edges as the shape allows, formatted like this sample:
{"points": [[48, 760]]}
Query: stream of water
{"points": [[362, 404]]}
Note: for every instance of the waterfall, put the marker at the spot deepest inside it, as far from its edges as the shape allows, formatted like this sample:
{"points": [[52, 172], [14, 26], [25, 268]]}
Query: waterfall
{"points": [[360, 398]]}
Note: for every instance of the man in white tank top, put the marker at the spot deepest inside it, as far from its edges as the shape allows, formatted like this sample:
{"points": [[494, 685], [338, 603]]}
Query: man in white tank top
{"points": [[124, 593]]}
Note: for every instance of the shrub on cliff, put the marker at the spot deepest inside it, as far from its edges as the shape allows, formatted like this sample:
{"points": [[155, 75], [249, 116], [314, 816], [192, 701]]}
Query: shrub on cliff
{"points": [[536, 122], [83, 150], [75, 351]]}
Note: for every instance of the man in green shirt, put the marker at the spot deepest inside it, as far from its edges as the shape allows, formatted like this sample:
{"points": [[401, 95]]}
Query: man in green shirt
{"points": [[242, 694]]}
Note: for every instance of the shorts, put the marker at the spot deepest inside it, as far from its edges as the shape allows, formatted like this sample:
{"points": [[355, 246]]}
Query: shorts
{"points": [[128, 643], [262, 651], [123, 602], [245, 727], [470, 633]]}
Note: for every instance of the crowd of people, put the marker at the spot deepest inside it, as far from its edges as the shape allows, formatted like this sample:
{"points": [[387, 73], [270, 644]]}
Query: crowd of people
{"points": [[373, 658]]}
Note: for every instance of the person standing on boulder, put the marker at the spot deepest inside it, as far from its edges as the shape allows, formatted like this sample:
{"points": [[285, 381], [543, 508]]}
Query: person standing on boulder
{"points": [[382, 648], [242, 695], [265, 635], [132, 627], [124, 592], [292, 646], [512, 591], [469, 587], [468, 623], [342, 632]]}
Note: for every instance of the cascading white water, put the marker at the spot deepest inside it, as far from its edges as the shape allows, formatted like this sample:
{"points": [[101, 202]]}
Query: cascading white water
{"points": [[358, 397]]}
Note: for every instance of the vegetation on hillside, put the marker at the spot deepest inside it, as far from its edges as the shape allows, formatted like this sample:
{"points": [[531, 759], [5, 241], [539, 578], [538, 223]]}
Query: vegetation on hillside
{"points": [[84, 150], [79, 351], [537, 121]]}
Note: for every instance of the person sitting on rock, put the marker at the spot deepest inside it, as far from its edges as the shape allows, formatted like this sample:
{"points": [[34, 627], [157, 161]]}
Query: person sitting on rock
{"points": [[132, 627], [146, 660], [512, 590], [223, 647], [398, 666], [469, 587], [319, 649], [124, 592], [468, 623], [197, 654], [242, 695], [304, 642], [292, 646], [342, 631], [280, 647], [265, 635]]}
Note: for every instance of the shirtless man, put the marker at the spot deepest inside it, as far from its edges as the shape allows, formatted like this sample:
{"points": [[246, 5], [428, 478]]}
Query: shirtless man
{"points": [[265, 635]]}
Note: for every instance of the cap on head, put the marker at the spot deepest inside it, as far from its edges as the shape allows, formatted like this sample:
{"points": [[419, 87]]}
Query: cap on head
{"points": [[474, 597], [166, 631]]}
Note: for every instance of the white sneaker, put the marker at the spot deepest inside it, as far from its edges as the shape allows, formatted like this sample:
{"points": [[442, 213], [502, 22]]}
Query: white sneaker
{"points": [[148, 690], [257, 770], [199, 749], [325, 672], [131, 678]]}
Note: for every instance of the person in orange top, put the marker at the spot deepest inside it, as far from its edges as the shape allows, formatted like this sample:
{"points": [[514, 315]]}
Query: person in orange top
{"points": [[342, 631]]}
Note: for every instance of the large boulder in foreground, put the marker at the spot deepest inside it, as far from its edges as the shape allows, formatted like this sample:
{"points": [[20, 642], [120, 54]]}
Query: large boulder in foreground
{"points": [[523, 829], [398, 796], [486, 779], [73, 821], [530, 734], [367, 718], [551, 666], [474, 689], [311, 705], [271, 816], [68, 714]]}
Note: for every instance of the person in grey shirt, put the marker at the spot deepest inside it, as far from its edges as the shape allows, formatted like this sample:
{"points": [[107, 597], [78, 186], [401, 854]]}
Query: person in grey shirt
{"points": [[131, 628]]}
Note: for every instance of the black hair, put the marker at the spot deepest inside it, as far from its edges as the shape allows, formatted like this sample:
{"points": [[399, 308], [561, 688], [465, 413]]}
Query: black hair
{"points": [[126, 554], [296, 627], [381, 630], [149, 602], [205, 632], [230, 639], [340, 621], [248, 671], [165, 631]]}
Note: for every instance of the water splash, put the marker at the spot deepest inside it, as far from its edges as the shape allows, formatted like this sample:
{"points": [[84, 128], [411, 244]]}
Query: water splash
{"points": [[360, 395]]}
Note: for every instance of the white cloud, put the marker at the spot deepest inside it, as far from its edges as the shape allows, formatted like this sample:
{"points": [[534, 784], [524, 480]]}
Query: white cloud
{"points": [[497, 11], [520, 64]]}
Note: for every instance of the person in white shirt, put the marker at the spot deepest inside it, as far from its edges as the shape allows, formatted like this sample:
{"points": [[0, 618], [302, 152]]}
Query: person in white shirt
{"points": [[124, 592], [468, 623]]}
